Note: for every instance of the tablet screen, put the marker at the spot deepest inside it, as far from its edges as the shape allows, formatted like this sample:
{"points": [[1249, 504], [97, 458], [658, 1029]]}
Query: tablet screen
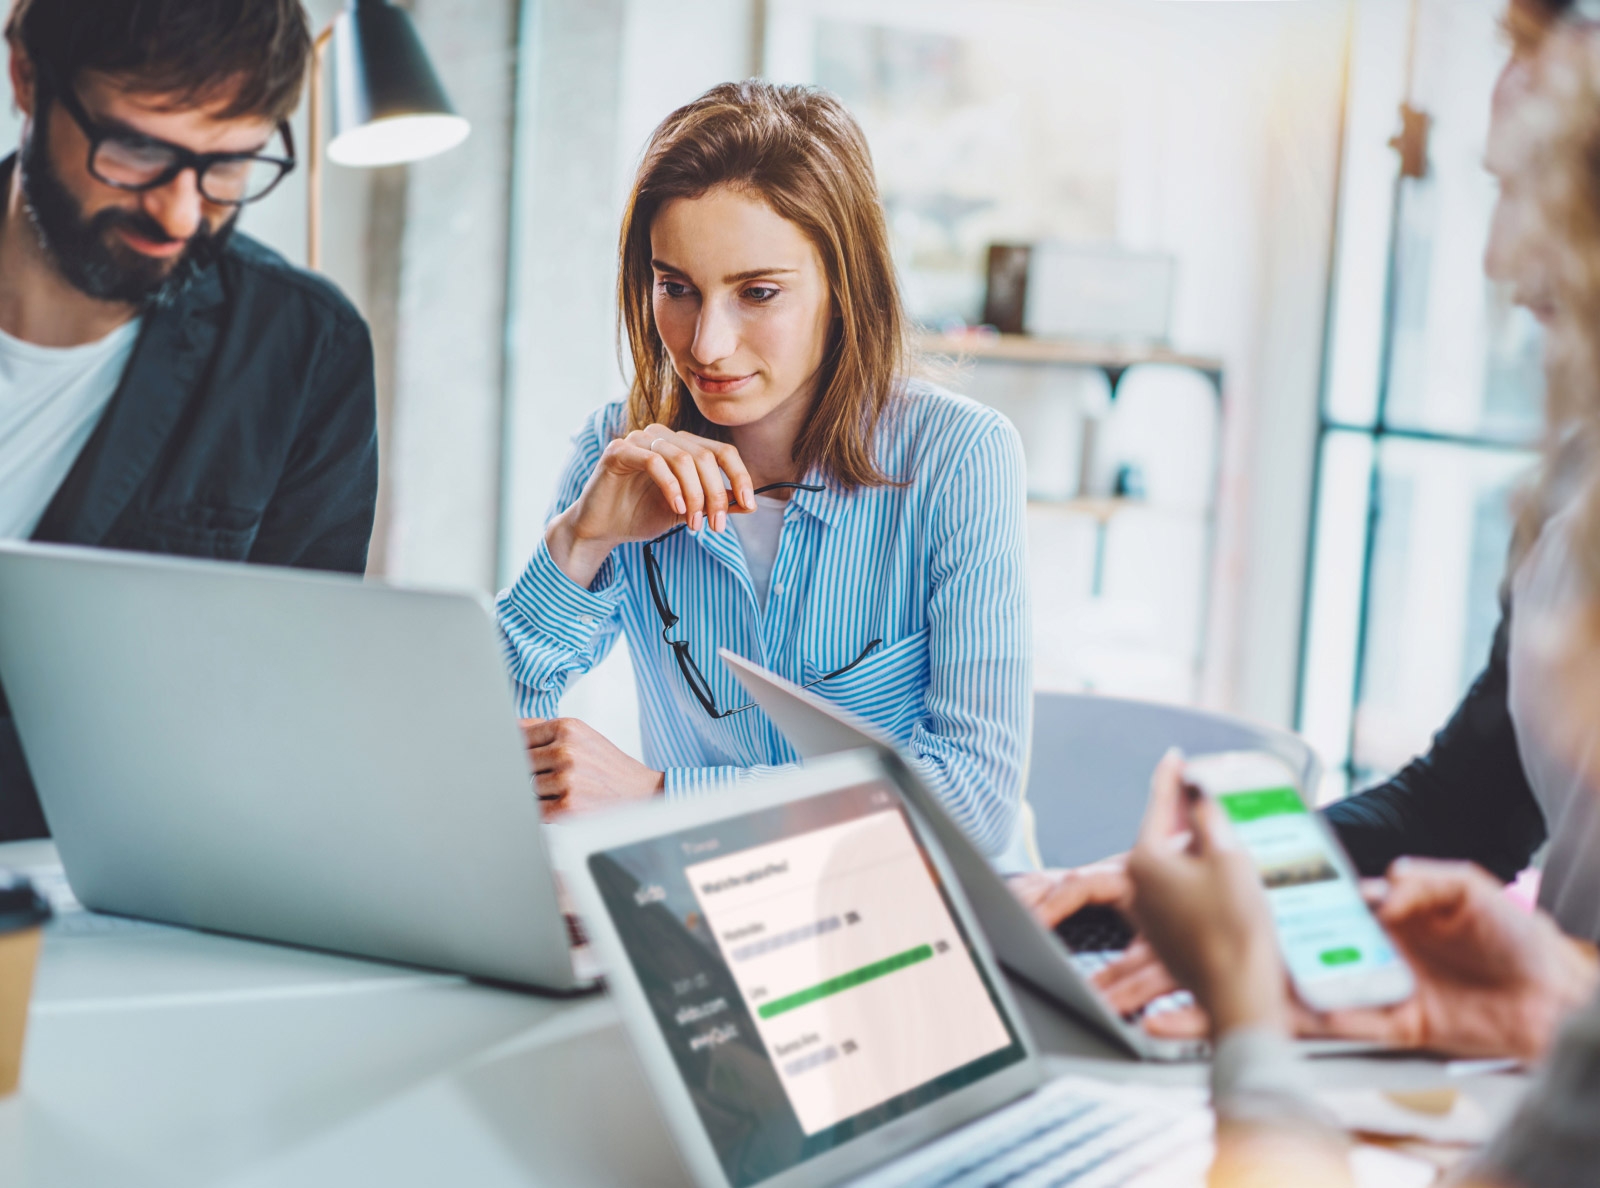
{"points": [[808, 973]]}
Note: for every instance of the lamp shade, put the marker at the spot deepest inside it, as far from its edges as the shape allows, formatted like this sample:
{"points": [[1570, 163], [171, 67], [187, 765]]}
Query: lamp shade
{"points": [[388, 104]]}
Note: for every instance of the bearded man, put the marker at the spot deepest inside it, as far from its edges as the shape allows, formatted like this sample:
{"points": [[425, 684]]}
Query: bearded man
{"points": [[167, 384]]}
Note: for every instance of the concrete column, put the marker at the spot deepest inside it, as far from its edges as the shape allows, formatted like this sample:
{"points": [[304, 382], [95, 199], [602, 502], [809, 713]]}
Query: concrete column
{"points": [[561, 345], [444, 462]]}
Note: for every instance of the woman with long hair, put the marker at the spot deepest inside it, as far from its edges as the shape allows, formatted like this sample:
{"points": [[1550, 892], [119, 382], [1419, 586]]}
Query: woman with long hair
{"points": [[775, 483], [1488, 791]]}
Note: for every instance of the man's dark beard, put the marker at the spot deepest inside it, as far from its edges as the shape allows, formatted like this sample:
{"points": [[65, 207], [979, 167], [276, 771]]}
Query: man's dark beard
{"points": [[83, 249]]}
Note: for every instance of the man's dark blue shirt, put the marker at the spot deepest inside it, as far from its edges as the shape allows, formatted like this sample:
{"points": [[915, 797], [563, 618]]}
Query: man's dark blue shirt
{"points": [[244, 429]]}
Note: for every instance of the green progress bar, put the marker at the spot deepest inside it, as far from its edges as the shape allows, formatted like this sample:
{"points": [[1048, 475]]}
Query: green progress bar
{"points": [[846, 981]]}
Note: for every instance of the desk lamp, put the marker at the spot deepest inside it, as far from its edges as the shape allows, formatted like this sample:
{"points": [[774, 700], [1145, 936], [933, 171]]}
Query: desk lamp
{"points": [[388, 105]]}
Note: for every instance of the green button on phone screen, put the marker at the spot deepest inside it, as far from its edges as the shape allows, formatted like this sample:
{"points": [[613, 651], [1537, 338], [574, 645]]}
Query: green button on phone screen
{"points": [[1340, 956]]}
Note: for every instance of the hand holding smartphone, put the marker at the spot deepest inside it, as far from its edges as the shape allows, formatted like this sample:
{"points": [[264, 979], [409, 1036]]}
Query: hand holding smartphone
{"points": [[1337, 954]]}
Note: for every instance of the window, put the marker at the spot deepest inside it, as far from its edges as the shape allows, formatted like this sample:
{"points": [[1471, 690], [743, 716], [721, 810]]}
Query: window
{"points": [[1431, 406]]}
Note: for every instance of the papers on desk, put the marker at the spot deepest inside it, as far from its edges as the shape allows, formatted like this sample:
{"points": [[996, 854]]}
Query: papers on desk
{"points": [[1370, 1113], [1370, 1167], [1377, 1167], [1442, 1116]]}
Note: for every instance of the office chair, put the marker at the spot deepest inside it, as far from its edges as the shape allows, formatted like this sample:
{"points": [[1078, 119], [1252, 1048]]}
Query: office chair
{"points": [[1089, 774]]}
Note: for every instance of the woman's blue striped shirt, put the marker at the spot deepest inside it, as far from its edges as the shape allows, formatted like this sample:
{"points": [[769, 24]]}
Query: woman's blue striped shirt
{"points": [[936, 568]]}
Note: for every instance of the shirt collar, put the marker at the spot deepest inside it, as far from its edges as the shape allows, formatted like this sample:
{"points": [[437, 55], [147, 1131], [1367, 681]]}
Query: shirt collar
{"points": [[825, 505]]}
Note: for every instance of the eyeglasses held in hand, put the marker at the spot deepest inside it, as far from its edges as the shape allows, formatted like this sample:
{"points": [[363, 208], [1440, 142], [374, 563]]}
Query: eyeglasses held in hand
{"points": [[680, 647]]}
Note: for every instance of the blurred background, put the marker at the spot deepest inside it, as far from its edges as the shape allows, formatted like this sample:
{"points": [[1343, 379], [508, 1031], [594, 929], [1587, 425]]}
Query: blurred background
{"points": [[1272, 409]]}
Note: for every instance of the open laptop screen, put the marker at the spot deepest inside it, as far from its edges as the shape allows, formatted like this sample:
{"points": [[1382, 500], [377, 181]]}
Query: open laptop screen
{"points": [[808, 973]]}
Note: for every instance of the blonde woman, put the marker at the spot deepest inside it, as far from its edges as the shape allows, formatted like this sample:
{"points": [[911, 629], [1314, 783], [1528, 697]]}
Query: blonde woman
{"points": [[1487, 973], [776, 485]]}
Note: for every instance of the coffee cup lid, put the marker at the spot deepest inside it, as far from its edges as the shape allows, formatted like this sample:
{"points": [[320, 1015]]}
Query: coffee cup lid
{"points": [[21, 906]]}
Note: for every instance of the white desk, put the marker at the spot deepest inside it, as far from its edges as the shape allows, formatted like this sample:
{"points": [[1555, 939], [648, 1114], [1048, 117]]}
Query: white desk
{"points": [[176, 1059]]}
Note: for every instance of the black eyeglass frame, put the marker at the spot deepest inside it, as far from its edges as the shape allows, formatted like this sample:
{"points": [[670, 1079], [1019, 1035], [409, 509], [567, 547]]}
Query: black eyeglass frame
{"points": [[182, 158], [692, 675]]}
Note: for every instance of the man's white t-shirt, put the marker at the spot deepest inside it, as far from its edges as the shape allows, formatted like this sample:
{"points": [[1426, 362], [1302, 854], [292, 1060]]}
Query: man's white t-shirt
{"points": [[51, 398]]}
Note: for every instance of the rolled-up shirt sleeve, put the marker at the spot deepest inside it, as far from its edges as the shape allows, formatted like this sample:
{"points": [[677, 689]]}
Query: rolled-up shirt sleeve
{"points": [[972, 742]]}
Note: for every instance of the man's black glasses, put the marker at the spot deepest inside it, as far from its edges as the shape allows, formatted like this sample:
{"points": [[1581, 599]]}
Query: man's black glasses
{"points": [[132, 161], [680, 648]]}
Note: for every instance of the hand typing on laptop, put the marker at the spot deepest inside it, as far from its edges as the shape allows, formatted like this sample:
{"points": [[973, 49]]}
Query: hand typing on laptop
{"points": [[1053, 896], [1071, 901]]}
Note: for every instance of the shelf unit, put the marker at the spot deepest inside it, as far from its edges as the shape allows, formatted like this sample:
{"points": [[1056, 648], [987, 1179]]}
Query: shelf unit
{"points": [[1110, 358], [1114, 361]]}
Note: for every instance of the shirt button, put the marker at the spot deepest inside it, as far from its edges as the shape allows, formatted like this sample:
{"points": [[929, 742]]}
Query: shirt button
{"points": [[586, 620], [778, 590]]}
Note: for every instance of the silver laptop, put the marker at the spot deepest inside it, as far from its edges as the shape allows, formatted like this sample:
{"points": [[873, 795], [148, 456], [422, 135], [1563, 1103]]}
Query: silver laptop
{"points": [[279, 754], [1035, 953], [814, 1003]]}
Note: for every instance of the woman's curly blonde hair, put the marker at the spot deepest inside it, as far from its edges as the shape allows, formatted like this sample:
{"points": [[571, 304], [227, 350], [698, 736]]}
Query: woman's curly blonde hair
{"points": [[1559, 127]]}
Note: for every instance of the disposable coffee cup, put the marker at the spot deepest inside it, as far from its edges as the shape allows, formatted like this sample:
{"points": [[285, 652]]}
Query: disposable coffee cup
{"points": [[23, 912]]}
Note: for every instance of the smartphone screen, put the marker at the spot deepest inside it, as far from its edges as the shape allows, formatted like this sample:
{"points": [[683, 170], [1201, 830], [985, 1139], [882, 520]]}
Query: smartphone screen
{"points": [[1335, 950]]}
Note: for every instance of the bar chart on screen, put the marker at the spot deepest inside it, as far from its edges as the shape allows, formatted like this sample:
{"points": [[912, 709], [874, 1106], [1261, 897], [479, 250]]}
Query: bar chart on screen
{"points": [[849, 960]]}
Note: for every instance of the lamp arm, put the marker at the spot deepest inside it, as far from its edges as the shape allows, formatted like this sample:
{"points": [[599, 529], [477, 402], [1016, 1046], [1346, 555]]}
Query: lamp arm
{"points": [[314, 119]]}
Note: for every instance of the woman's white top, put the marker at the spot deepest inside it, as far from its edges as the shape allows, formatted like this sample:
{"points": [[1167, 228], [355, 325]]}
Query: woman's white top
{"points": [[1546, 590], [758, 537], [933, 567]]}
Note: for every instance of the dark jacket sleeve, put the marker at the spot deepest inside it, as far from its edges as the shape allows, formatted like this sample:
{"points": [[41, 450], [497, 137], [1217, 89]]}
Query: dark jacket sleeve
{"points": [[321, 514], [1468, 797]]}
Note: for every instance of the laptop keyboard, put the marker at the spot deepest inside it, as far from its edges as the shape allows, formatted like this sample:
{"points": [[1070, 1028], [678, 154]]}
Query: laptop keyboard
{"points": [[1060, 1135], [1095, 929]]}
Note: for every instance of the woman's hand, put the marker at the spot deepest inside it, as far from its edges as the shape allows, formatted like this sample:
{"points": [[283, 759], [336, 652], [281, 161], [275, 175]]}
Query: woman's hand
{"points": [[1135, 979], [1492, 980], [576, 768], [1053, 895], [644, 484], [1199, 902]]}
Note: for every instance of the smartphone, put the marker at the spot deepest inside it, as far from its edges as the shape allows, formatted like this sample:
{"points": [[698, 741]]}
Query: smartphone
{"points": [[1337, 954]]}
